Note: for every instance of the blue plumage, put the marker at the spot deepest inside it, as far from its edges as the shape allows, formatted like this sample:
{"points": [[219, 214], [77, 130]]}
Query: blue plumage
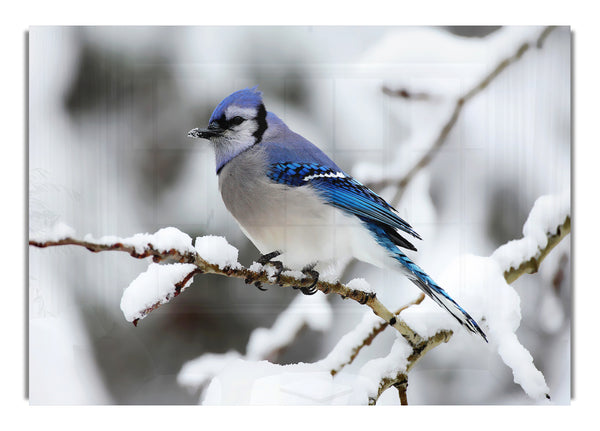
{"points": [[256, 153], [290, 146], [246, 98], [341, 191]]}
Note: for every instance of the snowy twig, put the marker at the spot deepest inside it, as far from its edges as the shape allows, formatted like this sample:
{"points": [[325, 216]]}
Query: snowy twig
{"points": [[376, 330], [460, 103], [157, 255], [401, 379], [285, 280], [532, 265]]}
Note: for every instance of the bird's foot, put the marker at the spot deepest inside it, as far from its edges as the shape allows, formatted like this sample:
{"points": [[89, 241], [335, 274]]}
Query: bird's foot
{"points": [[258, 285], [314, 275], [267, 259]]}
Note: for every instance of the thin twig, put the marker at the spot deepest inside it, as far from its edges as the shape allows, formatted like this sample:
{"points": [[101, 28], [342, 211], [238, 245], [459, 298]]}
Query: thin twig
{"points": [[405, 94], [179, 286], [374, 333], [172, 255], [460, 103]]}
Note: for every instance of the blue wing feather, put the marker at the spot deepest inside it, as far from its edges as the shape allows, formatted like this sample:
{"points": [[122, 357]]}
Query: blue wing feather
{"points": [[340, 190]]}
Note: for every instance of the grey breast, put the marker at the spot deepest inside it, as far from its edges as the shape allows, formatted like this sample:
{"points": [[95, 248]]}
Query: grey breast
{"points": [[246, 190]]}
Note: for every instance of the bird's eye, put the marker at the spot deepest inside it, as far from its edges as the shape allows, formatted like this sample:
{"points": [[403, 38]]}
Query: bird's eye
{"points": [[237, 120]]}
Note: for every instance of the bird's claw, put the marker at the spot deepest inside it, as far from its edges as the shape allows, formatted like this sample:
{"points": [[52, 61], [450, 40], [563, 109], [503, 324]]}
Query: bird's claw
{"points": [[258, 285], [310, 289], [266, 259]]}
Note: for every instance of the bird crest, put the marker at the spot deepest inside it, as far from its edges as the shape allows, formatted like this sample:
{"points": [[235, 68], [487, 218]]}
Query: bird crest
{"points": [[246, 98]]}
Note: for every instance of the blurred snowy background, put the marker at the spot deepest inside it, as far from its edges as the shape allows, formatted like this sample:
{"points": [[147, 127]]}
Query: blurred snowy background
{"points": [[109, 110]]}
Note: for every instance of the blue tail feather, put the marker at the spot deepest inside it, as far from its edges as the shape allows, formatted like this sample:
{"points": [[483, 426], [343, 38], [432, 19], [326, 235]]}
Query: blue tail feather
{"points": [[425, 282], [439, 295]]}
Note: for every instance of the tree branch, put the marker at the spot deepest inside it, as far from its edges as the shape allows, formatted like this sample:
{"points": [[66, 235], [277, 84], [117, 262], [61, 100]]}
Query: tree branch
{"points": [[449, 125], [532, 265], [405, 94], [374, 333], [366, 298], [172, 255], [418, 353], [402, 386]]}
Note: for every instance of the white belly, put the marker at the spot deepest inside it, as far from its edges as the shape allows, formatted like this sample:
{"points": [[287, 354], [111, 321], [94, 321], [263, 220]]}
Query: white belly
{"points": [[306, 232]]}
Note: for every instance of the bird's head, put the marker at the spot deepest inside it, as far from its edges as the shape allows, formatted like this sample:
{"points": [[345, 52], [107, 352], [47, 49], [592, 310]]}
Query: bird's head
{"points": [[237, 123], [240, 115]]}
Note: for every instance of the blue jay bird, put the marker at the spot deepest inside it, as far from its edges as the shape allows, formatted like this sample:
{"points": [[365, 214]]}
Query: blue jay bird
{"points": [[293, 202]]}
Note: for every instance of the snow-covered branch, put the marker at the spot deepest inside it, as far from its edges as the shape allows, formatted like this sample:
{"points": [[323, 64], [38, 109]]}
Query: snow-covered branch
{"points": [[366, 332], [211, 255], [400, 379], [460, 103], [532, 265]]}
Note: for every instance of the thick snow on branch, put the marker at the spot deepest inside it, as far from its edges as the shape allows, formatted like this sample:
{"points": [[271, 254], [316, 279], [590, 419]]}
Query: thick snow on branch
{"points": [[360, 284], [161, 283], [168, 238], [156, 286], [548, 213], [216, 250], [377, 370]]}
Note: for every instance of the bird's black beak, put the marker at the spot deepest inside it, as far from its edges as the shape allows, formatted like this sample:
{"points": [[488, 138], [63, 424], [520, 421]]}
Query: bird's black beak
{"points": [[212, 131]]}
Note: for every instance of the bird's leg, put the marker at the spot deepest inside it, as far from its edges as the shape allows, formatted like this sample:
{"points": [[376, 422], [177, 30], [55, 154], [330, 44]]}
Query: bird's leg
{"points": [[266, 258], [310, 271]]}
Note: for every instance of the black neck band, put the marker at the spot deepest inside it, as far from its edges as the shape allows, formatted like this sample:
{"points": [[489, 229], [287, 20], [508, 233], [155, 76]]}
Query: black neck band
{"points": [[261, 121]]}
